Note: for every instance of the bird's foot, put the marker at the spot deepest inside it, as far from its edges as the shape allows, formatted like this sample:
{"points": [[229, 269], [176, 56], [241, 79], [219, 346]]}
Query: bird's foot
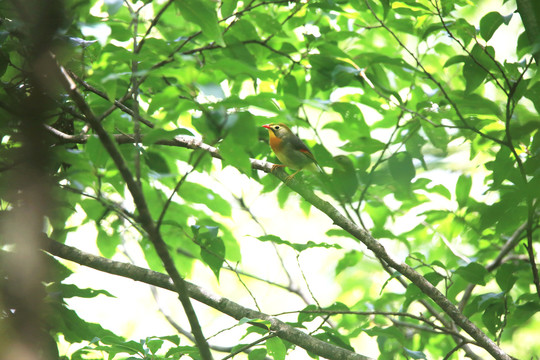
{"points": [[290, 177]]}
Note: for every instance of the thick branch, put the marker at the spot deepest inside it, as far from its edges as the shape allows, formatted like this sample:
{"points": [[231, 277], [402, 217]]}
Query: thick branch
{"points": [[363, 236], [138, 197], [217, 302], [407, 271]]}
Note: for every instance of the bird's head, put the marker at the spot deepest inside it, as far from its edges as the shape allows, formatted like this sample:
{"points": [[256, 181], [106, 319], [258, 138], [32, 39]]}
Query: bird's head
{"points": [[279, 130]]}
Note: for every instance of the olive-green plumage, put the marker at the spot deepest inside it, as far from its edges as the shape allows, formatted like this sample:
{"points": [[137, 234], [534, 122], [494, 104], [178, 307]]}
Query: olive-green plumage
{"points": [[290, 150]]}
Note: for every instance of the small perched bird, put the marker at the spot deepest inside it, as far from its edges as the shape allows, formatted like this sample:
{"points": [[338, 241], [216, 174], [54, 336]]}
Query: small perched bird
{"points": [[290, 150]]}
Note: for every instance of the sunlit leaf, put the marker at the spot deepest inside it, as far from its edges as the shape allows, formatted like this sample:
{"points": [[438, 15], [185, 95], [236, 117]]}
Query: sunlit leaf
{"points": [[276, 348], [474, 273], [297, 247], [203, 14], [490, 23], [463, 188]]}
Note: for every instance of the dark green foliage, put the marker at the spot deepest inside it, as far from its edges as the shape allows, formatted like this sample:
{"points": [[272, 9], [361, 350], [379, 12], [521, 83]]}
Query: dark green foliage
{"points": [[425, 124]]}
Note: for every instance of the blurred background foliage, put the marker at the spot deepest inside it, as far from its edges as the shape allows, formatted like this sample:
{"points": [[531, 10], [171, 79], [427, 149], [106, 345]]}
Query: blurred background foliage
{"points": [[423, 114]]}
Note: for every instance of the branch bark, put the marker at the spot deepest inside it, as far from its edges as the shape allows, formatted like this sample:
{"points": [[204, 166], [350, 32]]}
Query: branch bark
{"points": [[217, 302], [57, 72], [404, 269], [361, 235]]}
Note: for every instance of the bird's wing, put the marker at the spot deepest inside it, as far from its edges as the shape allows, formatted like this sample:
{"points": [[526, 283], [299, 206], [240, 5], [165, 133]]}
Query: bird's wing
{"points": [[300, 146]]}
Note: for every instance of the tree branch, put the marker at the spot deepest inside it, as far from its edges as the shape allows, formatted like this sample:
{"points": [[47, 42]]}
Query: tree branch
{"points": [[217, 302], [435, 81], [404, 269], [360, 234], [117, 103], [138, 197]]}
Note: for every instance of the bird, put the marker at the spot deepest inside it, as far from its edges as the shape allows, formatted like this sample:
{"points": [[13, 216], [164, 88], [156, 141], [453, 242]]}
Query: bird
{"points": [[290, 150]]}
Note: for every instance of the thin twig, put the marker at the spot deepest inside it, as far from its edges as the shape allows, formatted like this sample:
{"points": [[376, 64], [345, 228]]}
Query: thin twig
{"points": [[117, 103], [247, 346], [155, 20], [435, 81], [507, 247], [176, 188], [435, 4], [138, 197], [223, 305], [510, 106]]}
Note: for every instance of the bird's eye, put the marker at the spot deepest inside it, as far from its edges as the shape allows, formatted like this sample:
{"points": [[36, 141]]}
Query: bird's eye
{"points": [[276, 127]]}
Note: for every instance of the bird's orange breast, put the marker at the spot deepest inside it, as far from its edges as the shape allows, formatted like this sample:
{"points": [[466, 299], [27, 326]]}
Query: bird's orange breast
{"points": [[275, 142]]}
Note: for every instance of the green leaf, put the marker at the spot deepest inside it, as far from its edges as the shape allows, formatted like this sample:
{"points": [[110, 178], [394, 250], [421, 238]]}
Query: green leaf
{"points": [[364, 144], [529, 12], [199, 194], [156, 162], [298, 247], [463, 30], [4, 61], [348, 260], [413, 293], [523, 313], [533, 94], [154, 345], [463, 189], [282, 195], [237, 146], [175, 339], [474, 75], [441, 190], [106, 243], [266, 22], [455, 60], [437, 135], [387, 333], [334, 337], [158, 134], [212, 247], [257, 354], [477, 65], [276, 348], [492, 317], [473, 273], [235, 155], [74, 329], [434, 278], [72, 290], [474, 104], [203, 14], [414, 354], [308, 314], [179, 352], [402, 168], [96, 152], [93, 209], [228, 7], [506, 277], [490, 23]]}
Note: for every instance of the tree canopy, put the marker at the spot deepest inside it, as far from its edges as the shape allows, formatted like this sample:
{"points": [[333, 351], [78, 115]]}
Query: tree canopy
{"points": [[134, 128]]}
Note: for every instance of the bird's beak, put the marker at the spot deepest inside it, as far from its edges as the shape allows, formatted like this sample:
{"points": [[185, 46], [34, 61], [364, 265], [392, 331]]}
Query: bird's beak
{"points": [[266, 126]]}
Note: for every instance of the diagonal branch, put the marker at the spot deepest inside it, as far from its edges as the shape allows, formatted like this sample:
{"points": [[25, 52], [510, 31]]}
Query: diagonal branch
{"points": [[146, 220], [435, 4], [404, 269], [433, 80], [361, 235], [217, 302], [117, 103]]}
